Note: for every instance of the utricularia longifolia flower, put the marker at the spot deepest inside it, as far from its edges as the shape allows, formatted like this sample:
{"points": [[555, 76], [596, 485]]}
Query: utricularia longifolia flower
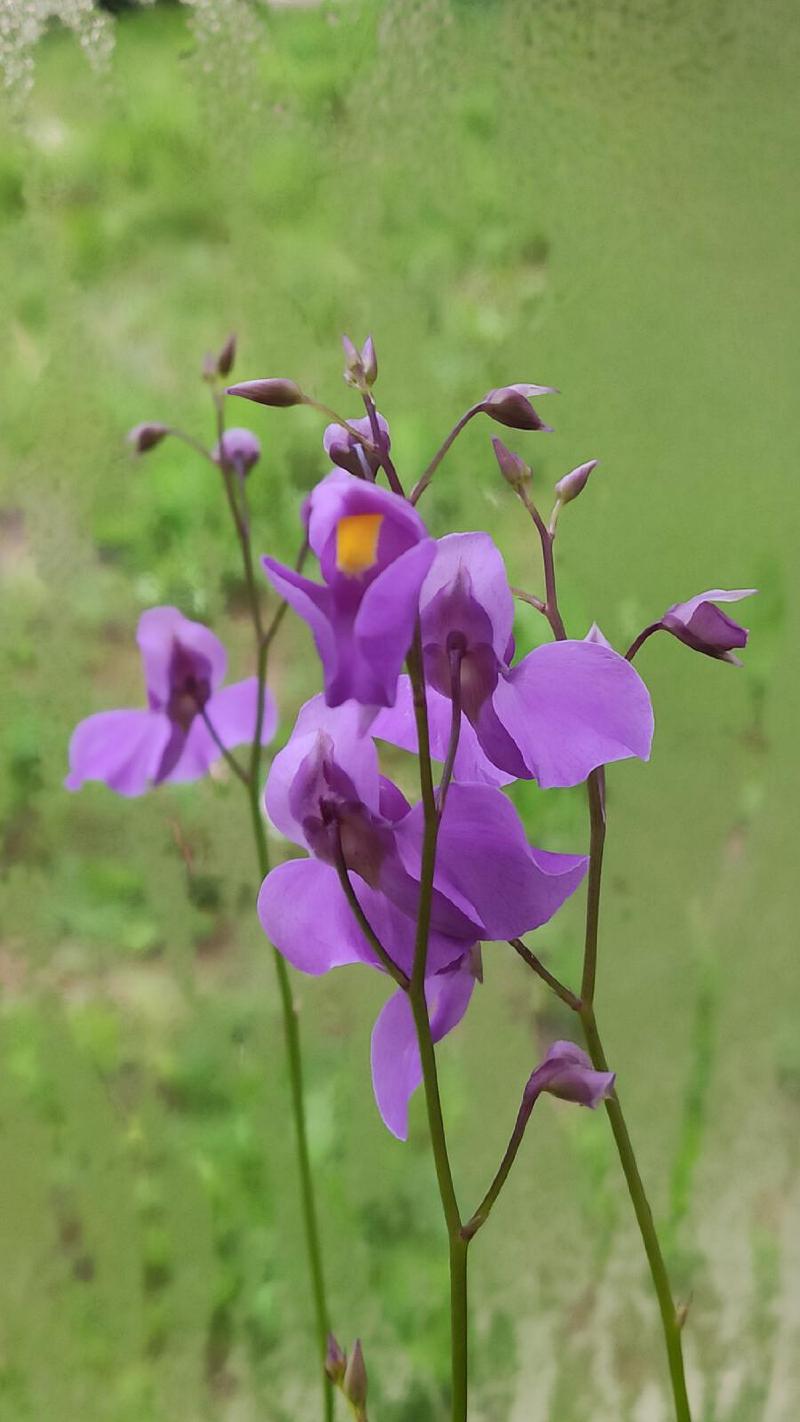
{"points": [[325, 792], [374, 552], [553, 716], [189, 717]]}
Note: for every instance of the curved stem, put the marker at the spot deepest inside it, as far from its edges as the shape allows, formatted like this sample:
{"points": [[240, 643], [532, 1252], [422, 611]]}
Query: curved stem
{"points": [[539, 968], [595, 790], [227, 755], [382, 445], [455, 656], [531, 599], [361, 918], [641, 639], [425, 479], [481, 1215], [291, 1028], [658, 1270]]}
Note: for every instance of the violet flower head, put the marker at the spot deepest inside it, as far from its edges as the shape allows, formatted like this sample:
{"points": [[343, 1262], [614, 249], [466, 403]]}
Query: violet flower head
{"points": [[567, 1072], [511, 405], [374, 552], [184, 667], [242, 450], [705, 628], [347, 452], [554, 716], [325, 793]]}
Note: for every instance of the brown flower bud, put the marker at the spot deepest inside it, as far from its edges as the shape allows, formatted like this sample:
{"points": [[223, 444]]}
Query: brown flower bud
{"points": [[369, 361], [511, 405], [146, 436], [335, 1361], [513, 469], [574, 483], [278, 392], [354, 1385], [227, 356]]}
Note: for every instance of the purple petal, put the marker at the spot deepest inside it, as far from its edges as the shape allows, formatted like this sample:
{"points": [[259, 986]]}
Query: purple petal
{"points": [[121, 748], [396, 1068], [397, 725], [595, 634], [232, 713], [567, 1072], [351, 750], [571, 706], [485, 866], [311, 602], [305, 914], [160, 628], [384, 624], [685, 609], [479, 557]]}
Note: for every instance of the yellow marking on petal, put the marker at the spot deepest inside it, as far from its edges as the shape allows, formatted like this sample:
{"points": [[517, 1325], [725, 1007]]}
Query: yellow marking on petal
{"points": [[357, 542]]}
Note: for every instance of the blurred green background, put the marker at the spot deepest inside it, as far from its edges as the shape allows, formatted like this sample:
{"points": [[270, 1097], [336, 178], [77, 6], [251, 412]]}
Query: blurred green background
{"points": [[602, 198]]}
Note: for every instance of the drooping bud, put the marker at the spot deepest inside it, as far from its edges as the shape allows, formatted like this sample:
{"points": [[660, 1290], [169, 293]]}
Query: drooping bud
{"points": [[242, 450], [276, 392], [511, 405], [354, 1385], [335, 1361], [513, 469], [146, 436], [706, 628], [369, 361], [575, 482], [227, 356], [568, 1073]]}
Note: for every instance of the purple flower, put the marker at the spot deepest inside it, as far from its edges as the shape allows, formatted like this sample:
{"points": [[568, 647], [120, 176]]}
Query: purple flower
{"points": [[511, 405], [704, 627], [374, 552], [567, 1072], [324, 791], [347, 452], [184, 666], [558, 713], [242, 450]]}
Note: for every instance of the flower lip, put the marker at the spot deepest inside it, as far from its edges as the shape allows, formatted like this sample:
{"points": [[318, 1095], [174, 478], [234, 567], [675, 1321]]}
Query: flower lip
{"points": [[357, 542]]}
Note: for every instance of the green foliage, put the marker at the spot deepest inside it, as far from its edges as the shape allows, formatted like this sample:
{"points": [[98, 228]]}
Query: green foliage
{"points": [[594, 197]]}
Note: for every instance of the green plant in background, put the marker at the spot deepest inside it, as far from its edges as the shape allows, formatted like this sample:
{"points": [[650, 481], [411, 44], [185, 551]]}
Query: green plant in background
{"points": [[108, 248]]}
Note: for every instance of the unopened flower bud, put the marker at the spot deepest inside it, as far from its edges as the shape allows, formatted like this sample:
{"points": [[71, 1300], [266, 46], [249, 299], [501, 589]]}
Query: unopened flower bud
{"points": [[567, 1072], [354, 1385], [278, 392], [146, 436], [209, 367], [227, 356], [369, 361], [354, 373], [513, 469], [242, 449], [511, 405], [335, 1361], [575, 482]]}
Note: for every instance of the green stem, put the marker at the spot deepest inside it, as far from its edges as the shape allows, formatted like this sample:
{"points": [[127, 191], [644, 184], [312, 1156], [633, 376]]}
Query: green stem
{"points": [[595, 791], [658, 1269], [419, 1008], [291, 1028]]}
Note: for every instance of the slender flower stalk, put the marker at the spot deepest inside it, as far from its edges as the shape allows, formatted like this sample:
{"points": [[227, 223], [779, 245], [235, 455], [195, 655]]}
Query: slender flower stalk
{"points": [[444, 1175], [252, 782], [595, 790], [425, 478]]}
